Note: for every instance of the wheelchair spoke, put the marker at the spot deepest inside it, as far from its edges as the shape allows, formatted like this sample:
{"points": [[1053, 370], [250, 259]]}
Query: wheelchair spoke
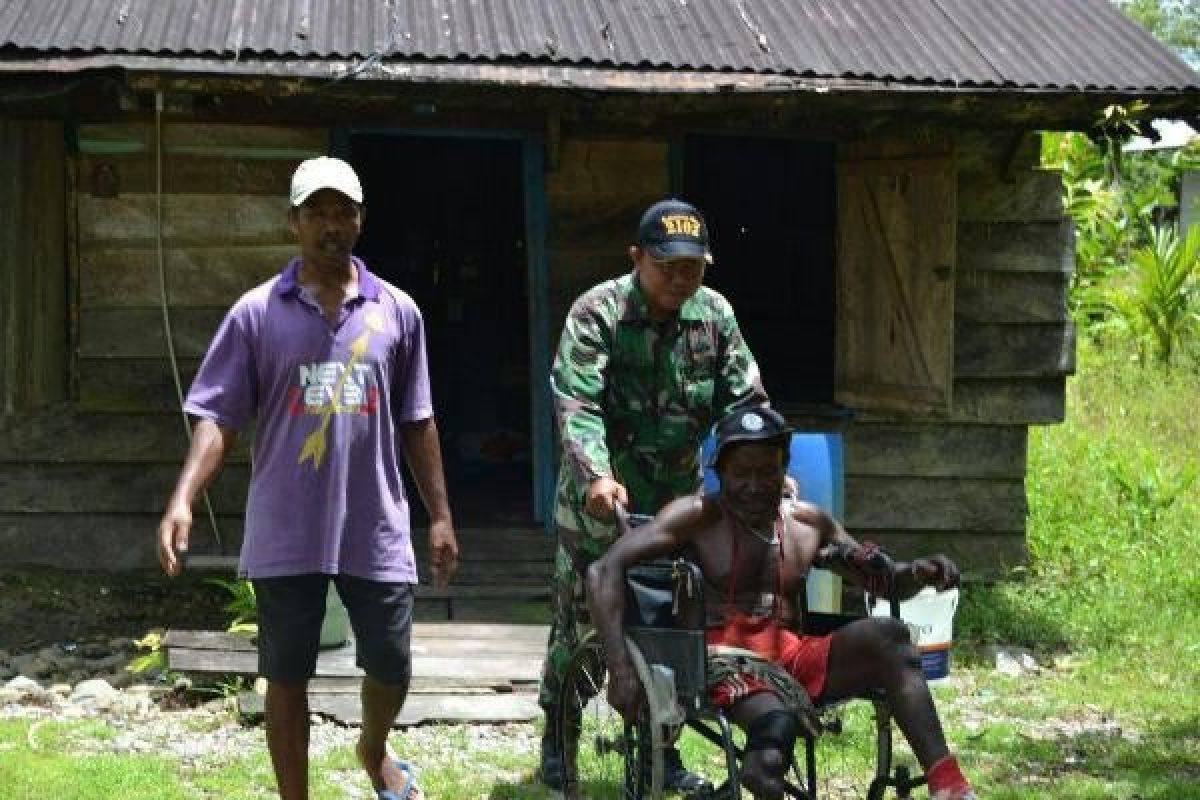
{"points": [[601, 754]]}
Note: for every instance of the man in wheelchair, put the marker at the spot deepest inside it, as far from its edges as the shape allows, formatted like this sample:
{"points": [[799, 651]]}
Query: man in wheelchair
{"points": [[754, 545]]}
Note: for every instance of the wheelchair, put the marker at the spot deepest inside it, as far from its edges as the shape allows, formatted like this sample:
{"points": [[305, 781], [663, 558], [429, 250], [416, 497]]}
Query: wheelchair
{"points": [[606, 757]]}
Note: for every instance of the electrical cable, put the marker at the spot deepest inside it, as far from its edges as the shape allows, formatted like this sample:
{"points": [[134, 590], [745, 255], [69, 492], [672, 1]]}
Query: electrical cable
{"points": [[168, 336]]}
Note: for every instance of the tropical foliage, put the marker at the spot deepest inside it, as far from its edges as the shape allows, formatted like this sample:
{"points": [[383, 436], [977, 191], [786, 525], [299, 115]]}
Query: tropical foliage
{"points": [[1136, 282]]}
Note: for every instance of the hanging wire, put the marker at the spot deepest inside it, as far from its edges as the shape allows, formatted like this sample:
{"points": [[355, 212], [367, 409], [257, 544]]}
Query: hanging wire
{"points": [[162, 293]]}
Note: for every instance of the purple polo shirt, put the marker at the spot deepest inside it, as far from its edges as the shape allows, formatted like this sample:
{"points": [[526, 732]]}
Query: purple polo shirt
{"points": [[325, 488]]}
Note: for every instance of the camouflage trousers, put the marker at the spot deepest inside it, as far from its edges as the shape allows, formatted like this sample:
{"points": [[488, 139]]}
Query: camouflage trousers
{"points": [[570, 615]]}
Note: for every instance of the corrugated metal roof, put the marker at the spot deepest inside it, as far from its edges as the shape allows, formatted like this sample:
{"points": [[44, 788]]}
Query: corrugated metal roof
{"points": [[1056, 44]]}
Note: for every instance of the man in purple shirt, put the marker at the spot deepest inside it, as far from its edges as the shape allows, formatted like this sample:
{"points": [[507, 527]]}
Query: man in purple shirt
{"points": [[330, 360]]}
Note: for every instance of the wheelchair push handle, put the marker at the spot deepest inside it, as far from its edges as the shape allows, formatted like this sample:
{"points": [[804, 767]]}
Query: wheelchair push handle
{"points": [[626, 521]]}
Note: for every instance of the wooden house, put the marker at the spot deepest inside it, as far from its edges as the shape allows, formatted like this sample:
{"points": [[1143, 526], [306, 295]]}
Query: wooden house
{"points": [[870, 169]]}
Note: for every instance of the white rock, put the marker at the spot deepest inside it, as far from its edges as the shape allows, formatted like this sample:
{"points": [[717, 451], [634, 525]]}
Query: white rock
{"points": [[23, 684], [1014, 661], [95, 693]]}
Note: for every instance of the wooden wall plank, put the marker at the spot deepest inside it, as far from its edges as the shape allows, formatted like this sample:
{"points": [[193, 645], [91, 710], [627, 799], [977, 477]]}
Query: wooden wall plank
{"points": [[131, 384], [115, 489], [264, 137], [106, 174], [1031, 195], [932, 450], [33, 265], [951, 504], [999, 351], [100, 542], [124, 540], [65, 437], [1008, 401], [1031, 297], [188, 220], [13, 268], [212, 276], [1016, 247], [138, 332]]}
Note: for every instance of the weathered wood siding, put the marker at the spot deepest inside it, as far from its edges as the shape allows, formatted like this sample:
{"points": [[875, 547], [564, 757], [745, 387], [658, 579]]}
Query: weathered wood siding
{"points": [[596, 190], [224, 230], [33, 265], [956, 483], [84, 486]]}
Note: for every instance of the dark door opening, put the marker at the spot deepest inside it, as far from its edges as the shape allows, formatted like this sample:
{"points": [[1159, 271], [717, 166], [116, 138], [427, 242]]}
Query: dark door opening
{"points": [[771, 210], [445, 223]]}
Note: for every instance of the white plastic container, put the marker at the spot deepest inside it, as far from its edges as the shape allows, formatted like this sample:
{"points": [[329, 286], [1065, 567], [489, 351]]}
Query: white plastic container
{"points": [[929, 615], [824, 591]]}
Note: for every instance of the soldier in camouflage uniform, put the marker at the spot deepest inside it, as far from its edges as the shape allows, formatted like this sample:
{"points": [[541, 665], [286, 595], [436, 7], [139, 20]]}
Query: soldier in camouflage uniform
{"points": [[646, 363]]}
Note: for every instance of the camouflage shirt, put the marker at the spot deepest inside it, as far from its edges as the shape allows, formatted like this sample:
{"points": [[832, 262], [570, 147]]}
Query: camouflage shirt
{"points": [[634, 397]]}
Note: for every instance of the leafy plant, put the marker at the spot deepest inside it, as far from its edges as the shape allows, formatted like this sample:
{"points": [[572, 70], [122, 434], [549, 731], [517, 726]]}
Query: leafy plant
{"points": [[1127, 286], [1157, 301], [243, 605], [154, 660], [1146, 490]]}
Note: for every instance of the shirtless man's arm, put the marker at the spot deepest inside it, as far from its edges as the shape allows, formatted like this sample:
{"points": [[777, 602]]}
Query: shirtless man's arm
{"points": [[667, 533], [839, 552]]}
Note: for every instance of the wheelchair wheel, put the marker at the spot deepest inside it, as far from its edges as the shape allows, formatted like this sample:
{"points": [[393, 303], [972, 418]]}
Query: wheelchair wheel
{"points": [[603, 757], [853, 759]]}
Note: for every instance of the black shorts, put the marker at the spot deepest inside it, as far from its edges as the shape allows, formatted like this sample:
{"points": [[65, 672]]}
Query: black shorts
{"points": [[290, 612]]}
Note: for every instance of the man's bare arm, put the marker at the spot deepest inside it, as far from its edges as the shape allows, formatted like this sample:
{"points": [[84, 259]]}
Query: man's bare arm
{"points": [[210, 444], [861, 564], [665, 534], [423, 452]]}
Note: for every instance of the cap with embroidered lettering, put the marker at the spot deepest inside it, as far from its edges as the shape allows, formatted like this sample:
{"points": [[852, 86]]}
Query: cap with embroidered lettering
{"points": [[673, 229]]}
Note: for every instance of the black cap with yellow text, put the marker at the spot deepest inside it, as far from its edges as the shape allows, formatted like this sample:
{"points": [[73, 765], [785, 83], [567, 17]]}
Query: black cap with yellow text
{"points": [[673, 229]]}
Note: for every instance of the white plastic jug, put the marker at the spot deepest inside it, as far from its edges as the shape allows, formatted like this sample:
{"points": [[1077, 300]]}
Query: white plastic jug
{"points": [[929, 615]]}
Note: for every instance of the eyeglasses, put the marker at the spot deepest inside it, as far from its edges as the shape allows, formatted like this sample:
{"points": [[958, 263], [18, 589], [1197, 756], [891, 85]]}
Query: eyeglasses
{"points": [[686, 268]]}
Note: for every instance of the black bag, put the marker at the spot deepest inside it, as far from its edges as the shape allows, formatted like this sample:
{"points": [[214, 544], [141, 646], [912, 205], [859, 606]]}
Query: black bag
{"points": [[664, 615], [664, 593]]}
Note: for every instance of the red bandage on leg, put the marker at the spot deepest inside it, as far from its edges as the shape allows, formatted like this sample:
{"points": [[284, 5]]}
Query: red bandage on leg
{"points": [[946, 781]]}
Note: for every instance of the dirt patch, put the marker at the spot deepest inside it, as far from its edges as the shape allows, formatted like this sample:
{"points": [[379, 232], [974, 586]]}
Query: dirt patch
{"points": [[41, 606]]}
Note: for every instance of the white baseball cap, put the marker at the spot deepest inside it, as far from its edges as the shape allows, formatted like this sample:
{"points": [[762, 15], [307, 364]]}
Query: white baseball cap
{"points": [[325, 173]]}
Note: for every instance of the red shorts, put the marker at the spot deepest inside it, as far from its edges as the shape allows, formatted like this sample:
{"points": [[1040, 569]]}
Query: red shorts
{"points": [[805, 658]]}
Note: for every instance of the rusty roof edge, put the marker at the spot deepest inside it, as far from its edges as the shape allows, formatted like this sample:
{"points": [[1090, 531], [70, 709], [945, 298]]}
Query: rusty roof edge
{"points": [[350, 72]]}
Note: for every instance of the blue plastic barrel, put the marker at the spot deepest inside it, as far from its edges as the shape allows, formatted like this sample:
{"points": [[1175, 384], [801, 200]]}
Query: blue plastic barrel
{"points": [[817, 466]]}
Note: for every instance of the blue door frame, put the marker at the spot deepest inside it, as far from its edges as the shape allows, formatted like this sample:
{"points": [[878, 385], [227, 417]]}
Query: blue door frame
{"points": [[537, 276]]}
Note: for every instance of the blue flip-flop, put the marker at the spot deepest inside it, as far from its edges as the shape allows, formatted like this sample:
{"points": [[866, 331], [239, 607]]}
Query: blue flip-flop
{"points": [[410, 780]]}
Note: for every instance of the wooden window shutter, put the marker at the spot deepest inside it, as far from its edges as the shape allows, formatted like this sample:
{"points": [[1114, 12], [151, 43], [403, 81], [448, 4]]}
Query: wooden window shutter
{"points": [[895, 278]]}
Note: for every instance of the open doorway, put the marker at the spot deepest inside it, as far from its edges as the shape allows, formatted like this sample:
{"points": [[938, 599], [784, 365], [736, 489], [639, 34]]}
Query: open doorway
{"points": [[446, 224], [771, 211]]}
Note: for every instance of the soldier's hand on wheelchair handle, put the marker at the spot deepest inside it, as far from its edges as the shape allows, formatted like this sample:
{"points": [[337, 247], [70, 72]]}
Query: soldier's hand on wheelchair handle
{"points": [[937, 571], [602, 497]]}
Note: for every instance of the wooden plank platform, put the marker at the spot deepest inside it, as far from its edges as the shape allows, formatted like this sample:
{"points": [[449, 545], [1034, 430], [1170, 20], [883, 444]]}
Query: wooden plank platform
{"points": [[462, 672]]}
